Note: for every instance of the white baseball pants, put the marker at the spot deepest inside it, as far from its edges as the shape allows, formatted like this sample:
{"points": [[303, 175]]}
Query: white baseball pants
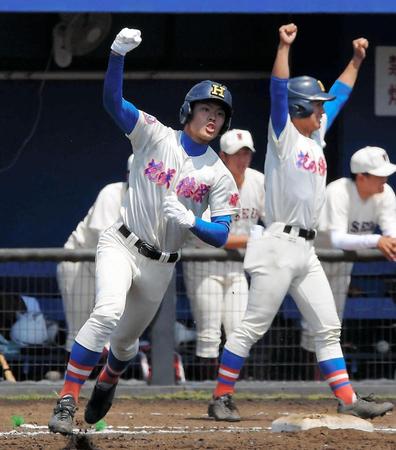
{"points": [[279, 263], [218, 292], [129, 291], [76, 281], [339, 276]]}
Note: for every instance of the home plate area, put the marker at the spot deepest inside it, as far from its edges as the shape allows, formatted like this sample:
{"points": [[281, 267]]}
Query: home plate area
{"points": [[179, 424]]}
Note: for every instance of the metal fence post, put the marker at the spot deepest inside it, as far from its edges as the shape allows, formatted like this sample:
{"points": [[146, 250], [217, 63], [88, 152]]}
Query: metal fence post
{"points": [[163, 338]]}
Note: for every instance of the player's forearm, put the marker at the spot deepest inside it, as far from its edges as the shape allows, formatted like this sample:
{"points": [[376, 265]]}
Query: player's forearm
{"points": [[234, 241], [342, 92], [280, 68], [347, 241], [350, 73], [213, 233], [279, 104], [124, 113]]}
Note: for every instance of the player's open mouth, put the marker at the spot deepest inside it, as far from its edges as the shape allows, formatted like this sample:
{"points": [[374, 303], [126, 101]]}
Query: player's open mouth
{"points": [[210, 127]]}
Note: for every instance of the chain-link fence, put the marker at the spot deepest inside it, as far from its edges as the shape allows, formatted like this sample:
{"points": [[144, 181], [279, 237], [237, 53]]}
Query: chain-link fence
{"points": [[47, 294]]}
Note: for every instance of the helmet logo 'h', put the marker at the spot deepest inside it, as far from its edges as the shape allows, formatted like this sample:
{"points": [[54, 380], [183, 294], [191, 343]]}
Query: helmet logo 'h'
{"points": [[218, 90], [321, 86]]}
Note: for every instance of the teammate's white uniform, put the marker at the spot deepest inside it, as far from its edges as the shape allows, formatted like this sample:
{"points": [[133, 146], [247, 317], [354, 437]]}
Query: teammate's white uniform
{"points": [[130, 286], [218, 290], [347, 212], [76, 280], [278, 262]]}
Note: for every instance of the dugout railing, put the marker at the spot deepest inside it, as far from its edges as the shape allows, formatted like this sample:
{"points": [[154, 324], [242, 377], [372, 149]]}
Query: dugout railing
{"points": [[167, 351]]}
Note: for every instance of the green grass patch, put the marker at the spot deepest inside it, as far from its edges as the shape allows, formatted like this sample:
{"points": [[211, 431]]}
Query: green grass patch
{"points": [[195, 395]]}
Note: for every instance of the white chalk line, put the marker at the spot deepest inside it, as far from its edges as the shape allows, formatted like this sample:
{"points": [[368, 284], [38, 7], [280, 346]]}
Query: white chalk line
{"points": [[144, 430], [38, 430]]}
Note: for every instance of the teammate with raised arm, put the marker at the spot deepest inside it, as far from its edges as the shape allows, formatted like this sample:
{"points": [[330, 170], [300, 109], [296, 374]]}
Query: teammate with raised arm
{"points": [[175, 176], [354, 208], [218, 290], [283, 258]]}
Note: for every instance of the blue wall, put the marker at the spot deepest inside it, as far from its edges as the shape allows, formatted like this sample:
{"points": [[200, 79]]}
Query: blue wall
{"points": [[77, 149]]}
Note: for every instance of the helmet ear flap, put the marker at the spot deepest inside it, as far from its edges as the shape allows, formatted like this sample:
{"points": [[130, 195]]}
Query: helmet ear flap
{"points": [[300, 108], [185, 113]]}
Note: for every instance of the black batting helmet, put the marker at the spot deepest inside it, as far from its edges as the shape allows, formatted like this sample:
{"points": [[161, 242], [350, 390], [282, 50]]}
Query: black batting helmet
{"points": [[207, 90], [302, 91]]}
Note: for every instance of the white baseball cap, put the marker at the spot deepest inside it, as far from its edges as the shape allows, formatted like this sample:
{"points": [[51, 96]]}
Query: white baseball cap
{"points": [[234, 140], [372, 160]]}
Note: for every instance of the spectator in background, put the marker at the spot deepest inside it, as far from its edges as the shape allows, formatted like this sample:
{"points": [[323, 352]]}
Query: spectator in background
{"points": [[355, 207], [218, 291], [76, 280]]}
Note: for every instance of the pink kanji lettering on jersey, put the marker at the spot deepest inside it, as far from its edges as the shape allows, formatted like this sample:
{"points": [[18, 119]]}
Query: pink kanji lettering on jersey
{"points": [[200, 192], [234, 199], [149, 119], [166, 177], [156, 173], [153, 170], [188, 188], [306, 162], [322, 166]]}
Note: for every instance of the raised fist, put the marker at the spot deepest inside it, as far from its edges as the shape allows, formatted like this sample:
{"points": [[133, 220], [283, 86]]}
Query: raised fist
{"points": [[287, 33], [360, 47], [126, 40]]}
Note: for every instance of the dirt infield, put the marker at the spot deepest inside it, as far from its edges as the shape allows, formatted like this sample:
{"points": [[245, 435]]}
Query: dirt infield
{"points": [[184, 424]]}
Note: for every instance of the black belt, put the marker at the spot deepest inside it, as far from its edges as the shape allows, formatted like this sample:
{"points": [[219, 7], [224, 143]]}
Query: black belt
{"points": [[309, 235], [149, 250]]}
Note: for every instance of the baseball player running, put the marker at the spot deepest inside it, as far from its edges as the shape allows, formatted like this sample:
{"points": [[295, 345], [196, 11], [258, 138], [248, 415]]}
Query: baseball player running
{"points": [[76, 280], [354, 208], [174, 177], [218, 290], [283, 258]]}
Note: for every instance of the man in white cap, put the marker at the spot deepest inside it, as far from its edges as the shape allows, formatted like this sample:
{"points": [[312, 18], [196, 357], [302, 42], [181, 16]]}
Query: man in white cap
{"points": [[218, 291], [355, 207]]}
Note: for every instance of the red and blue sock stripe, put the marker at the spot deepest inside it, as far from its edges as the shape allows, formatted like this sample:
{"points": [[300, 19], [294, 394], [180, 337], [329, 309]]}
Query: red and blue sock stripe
{"points": [[230, 367]]}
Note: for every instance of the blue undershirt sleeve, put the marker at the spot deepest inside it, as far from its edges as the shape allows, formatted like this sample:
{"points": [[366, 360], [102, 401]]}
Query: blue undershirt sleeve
{"points": [[342, 92], [215, 232], [279, 104], [124, 113]]}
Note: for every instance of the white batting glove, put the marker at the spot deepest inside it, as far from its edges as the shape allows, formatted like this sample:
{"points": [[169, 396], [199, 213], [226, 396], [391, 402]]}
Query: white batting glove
{"points": [[126, 40], [176, 211]]}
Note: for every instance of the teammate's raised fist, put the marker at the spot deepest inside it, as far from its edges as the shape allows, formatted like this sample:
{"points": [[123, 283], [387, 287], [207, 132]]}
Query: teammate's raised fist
{"points": [[287, 33], [126, 40], [360, 46]]}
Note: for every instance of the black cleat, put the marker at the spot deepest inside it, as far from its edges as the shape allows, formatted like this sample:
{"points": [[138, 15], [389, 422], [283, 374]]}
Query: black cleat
{"points": [[99, 404], [224, 408], [62, 418], [365, 408]]}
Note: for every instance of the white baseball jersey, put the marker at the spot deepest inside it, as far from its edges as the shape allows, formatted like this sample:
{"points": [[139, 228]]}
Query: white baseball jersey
{"points": [[252, 208], [347, 212], [295, 176], [103, 213], [162, 166]]}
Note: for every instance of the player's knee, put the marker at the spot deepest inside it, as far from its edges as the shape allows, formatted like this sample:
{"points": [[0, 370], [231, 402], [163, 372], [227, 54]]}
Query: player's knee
{"points": [[329, 335], [122, 349], [208, 349], [106, 318]]}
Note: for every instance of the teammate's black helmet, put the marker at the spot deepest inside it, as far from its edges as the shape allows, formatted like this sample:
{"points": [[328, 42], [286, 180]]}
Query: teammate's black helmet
{"points": [[207, 90], [301, 92]]}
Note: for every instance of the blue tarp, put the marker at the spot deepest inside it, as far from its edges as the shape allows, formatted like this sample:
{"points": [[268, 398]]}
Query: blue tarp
{"points": [[201, 6]]}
